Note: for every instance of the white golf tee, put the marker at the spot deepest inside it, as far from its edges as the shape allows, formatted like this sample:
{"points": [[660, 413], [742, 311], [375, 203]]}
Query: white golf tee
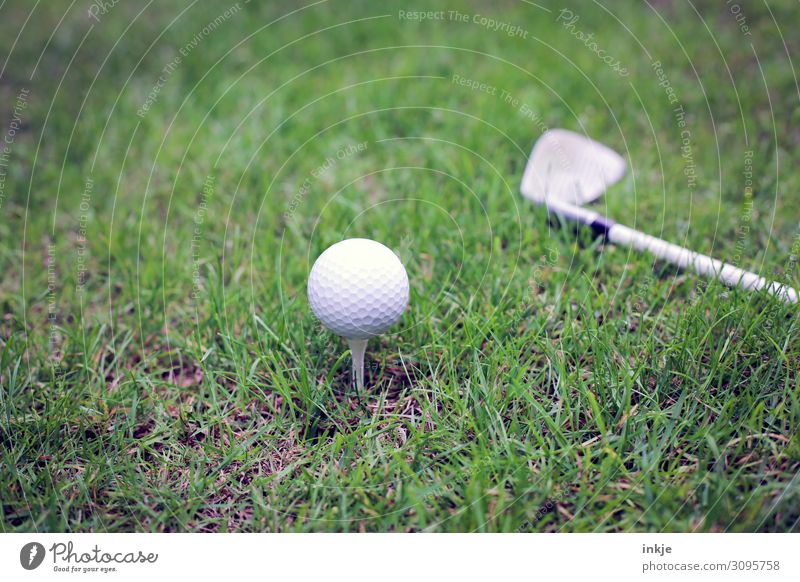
{"points": [[357, 349]]}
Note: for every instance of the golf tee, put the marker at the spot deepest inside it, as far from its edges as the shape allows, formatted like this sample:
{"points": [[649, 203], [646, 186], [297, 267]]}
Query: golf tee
{"points": [[357, 349]]}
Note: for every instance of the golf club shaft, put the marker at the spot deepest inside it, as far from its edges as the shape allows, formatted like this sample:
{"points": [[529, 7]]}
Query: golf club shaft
{"points": [[701, 264]]}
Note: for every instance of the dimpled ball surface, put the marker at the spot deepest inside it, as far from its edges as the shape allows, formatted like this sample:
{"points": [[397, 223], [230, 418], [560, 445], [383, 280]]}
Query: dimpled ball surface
{"points": [[358, 288]]}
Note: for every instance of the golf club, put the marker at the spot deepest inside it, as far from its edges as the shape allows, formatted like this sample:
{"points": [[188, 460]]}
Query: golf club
{"points": [[566, 170]]}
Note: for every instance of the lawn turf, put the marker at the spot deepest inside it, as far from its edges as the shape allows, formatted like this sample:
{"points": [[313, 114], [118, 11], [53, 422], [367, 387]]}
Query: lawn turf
{"points": [[160, 368]]}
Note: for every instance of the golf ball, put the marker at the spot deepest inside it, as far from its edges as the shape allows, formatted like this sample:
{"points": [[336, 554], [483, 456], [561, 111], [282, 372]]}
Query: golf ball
{"points": [[358, 288]]}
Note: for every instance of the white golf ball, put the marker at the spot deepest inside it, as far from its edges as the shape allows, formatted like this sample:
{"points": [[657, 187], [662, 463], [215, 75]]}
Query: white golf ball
{"points": [[358, 288]]}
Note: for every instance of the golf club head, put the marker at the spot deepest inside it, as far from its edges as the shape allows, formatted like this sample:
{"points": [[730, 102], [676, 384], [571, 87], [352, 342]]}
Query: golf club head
{"points": [[568, 168]]}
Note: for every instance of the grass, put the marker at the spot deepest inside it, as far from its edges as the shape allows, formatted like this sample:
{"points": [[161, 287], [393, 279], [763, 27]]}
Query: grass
{"points": [[160, 369]]}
